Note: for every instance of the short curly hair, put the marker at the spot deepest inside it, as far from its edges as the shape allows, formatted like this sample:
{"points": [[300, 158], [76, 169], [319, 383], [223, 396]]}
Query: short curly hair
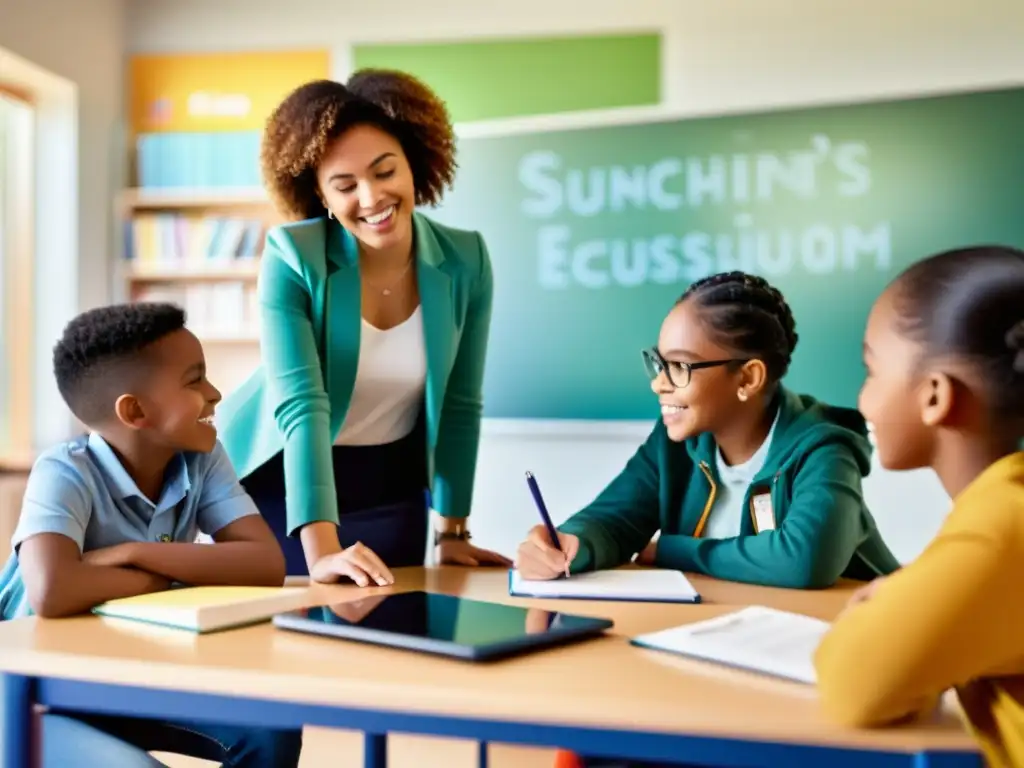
{"points": [[302, 126], [98, 355]]}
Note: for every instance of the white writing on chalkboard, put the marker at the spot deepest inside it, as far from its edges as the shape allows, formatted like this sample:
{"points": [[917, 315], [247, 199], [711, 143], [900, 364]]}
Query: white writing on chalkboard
{"points": [[666, 259], [681, 253], [673, 183]]}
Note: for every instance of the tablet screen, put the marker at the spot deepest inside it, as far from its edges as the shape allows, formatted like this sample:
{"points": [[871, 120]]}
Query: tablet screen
{"points": [[445, 618]]}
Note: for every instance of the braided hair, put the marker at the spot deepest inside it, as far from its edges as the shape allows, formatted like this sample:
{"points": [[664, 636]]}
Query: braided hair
{"points": [[746, 313]]}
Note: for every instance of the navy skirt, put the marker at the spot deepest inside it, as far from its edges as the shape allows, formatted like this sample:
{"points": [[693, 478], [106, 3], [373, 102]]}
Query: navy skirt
{"points": [[382, 500]]}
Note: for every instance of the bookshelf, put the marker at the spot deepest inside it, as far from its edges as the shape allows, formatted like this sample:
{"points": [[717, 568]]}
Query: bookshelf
{"points": [[199, 248], [193, 220], [195, 198]]}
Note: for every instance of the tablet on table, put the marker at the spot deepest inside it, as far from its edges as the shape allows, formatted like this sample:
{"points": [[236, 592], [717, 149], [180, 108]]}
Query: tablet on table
{"points": [[457, 627]]}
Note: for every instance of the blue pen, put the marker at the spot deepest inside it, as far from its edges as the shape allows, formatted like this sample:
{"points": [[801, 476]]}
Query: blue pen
{"points": [[542, 508]]}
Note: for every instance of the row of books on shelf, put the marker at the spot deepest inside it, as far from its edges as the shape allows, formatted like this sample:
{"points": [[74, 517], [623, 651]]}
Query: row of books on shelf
{"points": [[203, 160], [215, 311], [159, 242]]}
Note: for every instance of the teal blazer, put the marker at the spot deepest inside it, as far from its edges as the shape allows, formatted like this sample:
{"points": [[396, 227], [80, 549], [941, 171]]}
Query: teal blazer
{"points": [[310, 324]]}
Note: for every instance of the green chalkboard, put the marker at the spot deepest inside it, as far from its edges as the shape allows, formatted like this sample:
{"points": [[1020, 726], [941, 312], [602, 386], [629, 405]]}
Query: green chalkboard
{"points": [[595, 231]]}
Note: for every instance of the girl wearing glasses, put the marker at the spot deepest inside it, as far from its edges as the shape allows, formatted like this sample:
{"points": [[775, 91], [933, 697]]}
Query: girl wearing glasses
{"points": [[741, 479]]}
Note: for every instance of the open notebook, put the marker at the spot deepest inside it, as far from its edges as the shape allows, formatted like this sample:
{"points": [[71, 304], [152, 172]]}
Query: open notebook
{"points": [[756, 638], [629, 585], [206, 609]]}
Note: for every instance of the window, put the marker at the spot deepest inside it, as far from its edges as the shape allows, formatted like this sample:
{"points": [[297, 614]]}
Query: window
{"points": [[17, 117]]}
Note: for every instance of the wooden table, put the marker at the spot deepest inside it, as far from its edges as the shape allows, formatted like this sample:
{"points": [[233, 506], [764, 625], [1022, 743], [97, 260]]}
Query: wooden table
{"points": [[601, 697]]}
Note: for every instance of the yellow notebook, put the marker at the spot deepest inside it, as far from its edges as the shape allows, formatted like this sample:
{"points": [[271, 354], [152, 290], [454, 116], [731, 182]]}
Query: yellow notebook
{"points": [[206, 609]]}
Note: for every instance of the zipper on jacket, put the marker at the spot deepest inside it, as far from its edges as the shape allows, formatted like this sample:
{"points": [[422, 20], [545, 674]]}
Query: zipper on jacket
{"points": [[709, 503]]}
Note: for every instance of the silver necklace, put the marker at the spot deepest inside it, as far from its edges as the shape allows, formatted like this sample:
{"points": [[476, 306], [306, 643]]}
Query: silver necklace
{"points": [[387, 291]]}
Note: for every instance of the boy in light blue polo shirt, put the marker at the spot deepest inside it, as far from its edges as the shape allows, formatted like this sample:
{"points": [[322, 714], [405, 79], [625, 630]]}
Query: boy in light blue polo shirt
{"points": [[116, 514]]}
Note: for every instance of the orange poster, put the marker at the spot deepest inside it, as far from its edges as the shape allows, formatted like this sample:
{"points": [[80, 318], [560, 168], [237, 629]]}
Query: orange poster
{"points": [[216, 91]]}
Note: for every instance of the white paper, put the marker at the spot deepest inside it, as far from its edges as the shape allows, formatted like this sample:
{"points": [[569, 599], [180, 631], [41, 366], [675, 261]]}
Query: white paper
{"points": [[626, 584], [757, 638]]}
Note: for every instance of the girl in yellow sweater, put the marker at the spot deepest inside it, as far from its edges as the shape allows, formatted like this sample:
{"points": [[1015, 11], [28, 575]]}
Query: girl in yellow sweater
{"points": [[944, 350]]}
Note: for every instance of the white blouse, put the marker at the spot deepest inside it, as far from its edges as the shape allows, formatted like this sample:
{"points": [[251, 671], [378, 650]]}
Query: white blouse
{"points": [[390, 381]]}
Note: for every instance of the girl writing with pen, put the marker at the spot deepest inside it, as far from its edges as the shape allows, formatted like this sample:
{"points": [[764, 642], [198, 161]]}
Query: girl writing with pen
{"points": [[744, 479]]}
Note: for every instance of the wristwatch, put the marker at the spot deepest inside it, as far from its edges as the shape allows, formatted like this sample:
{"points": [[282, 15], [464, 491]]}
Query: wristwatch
{"points": [[460, 533]]}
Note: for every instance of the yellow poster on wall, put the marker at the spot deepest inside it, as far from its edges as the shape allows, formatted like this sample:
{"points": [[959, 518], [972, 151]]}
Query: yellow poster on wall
{"points": [[216, 91]]}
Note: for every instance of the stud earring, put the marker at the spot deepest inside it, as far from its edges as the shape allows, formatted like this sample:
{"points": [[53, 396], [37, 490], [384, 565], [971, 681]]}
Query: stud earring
{"points": [[742, 395], [330, 214]]}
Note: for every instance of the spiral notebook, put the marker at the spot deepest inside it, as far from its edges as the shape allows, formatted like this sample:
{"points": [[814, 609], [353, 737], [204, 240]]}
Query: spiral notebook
{"points": [[626, 585]]}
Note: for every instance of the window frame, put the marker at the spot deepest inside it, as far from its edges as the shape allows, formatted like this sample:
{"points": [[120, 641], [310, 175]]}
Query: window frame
{"points": [[17, 282]]}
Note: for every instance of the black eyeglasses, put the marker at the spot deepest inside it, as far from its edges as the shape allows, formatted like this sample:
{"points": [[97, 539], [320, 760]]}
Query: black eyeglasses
{"points": [[677, 373]]}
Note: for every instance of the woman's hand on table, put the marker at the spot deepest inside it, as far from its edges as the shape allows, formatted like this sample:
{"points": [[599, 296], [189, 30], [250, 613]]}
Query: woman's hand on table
{"points": [[461, 552], [358, 562]]}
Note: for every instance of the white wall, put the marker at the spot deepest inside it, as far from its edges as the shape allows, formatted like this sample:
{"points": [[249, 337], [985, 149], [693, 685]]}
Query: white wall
{"points": [[71, 54], [718, 56]]}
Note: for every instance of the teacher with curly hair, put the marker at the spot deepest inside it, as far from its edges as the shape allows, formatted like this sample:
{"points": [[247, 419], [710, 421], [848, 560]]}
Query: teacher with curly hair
{"points": [[365, 411]]}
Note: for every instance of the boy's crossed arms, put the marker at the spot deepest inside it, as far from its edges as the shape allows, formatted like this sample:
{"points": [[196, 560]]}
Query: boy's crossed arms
{"points": [[61, 580]]}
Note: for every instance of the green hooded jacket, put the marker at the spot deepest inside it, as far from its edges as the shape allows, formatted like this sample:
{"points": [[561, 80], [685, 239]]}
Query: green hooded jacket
{"points": [[822, 528]]}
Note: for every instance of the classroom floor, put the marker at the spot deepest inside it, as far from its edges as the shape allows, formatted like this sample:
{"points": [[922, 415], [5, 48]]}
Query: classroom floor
{"points": [[324, 748]]}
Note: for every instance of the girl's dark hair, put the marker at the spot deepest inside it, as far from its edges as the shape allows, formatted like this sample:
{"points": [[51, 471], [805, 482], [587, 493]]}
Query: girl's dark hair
{"points": [[749, 315], [968, 303], [302, 126]]}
